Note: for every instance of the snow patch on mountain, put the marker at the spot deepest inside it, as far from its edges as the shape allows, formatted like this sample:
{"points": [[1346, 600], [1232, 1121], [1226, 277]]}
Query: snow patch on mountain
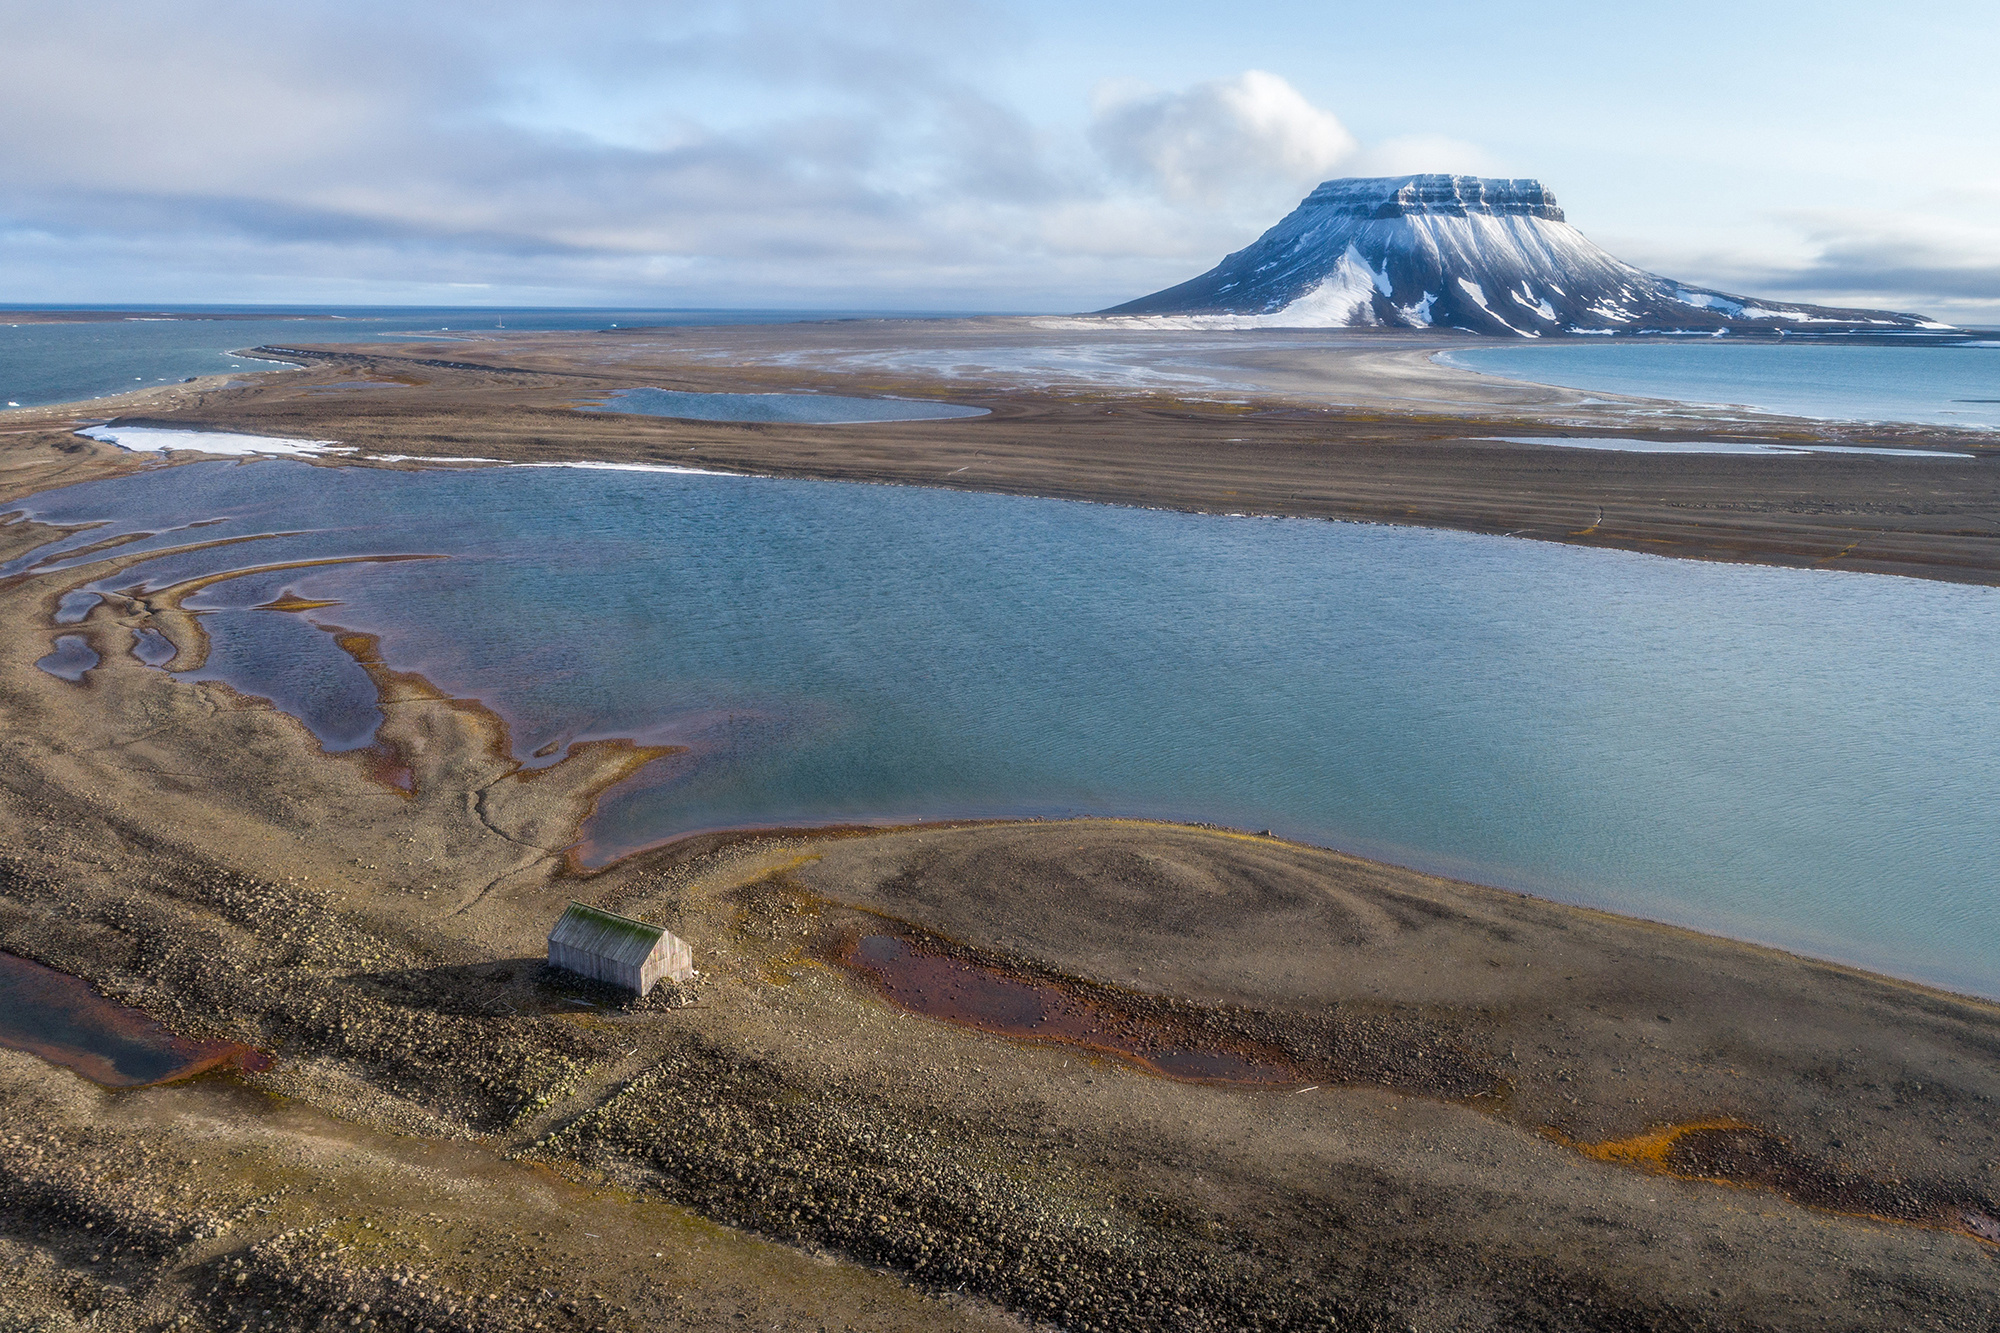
{"points": [[1346, 296]]}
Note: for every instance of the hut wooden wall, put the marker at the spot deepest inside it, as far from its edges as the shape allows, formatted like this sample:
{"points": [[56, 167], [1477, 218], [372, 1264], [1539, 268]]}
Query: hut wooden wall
{"points": [[597, 967]]}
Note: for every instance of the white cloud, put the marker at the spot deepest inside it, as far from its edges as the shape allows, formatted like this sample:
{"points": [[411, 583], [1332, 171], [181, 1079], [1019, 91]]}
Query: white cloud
{"points": [[1213, 142], [845, 153], [1922, 262], [794, 152]]}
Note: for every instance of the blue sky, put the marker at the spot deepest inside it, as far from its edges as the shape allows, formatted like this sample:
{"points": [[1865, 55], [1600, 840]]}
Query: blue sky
{"points": [[1024, 156]]}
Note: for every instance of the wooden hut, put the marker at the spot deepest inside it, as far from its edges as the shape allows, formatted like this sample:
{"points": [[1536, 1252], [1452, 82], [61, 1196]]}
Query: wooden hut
{"points": [[607, 947]]}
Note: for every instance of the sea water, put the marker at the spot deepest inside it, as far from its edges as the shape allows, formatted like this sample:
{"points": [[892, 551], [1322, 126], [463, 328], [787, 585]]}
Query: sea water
{"points": [[1799, 757], [1942, 385], [60, 363]]}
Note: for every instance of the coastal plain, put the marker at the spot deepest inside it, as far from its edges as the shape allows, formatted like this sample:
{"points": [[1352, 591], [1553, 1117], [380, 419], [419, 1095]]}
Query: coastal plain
{"points": [[1357, 425], [1463, 1108]]}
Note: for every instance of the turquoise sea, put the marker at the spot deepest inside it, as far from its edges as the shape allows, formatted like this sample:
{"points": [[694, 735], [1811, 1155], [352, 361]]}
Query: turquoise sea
{"points": [[1941, 385], [60, 363], [1802, 758]]}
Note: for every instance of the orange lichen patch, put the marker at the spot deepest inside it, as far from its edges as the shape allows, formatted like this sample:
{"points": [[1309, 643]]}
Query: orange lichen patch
{"points": [[1652, 1149], [1730, 1152]]}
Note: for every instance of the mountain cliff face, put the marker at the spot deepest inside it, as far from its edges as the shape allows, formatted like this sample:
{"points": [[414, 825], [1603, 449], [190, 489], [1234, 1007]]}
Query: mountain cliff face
{"points": [[1463, 252]]}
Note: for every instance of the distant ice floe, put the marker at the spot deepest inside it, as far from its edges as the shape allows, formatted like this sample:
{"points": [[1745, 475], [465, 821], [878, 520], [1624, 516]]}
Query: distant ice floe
{"points": [[159, 439], [1631, 446]]}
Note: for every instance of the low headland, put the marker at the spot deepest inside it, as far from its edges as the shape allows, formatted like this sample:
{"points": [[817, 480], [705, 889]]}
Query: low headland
{"points": [[1091, 1074]]}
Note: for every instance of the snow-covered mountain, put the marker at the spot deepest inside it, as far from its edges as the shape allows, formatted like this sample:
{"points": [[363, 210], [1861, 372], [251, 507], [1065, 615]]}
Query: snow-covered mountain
{"points": [[1463, 252]]}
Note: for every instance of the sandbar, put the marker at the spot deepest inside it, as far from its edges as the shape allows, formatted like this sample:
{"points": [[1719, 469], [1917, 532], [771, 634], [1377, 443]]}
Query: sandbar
{"points": [[1357, 425]]}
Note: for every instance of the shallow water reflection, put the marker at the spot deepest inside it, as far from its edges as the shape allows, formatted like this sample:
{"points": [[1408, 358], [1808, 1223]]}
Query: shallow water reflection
{"points": [[60, 1018], [152, 647], [1801, 758], [1950, 385]]}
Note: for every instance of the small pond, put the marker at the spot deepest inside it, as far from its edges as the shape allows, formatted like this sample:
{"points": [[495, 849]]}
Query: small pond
{"points": [[60, 1018]]}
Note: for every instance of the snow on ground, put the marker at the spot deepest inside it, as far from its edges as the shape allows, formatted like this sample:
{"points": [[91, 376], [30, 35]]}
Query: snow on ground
{"points": [[1135, 366], [159, 439], [639, 467], [229, 444], [426, 458]]}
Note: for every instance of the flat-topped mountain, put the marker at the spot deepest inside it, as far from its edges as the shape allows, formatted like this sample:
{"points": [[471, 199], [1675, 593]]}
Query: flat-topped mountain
{"points": [[1464, 252]]}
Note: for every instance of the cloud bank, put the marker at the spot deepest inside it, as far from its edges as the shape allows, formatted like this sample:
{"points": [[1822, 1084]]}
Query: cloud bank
{"points": [[755, 152], [1218, 140], [740, 156]]}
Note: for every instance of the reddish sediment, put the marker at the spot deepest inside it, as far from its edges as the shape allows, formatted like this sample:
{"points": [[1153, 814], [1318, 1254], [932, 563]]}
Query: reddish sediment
{"points": [[925, 979]]}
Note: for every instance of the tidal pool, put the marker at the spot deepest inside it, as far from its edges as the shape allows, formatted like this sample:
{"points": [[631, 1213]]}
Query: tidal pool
{"points": [[937, 984], [71, 659], [1797, 757]]}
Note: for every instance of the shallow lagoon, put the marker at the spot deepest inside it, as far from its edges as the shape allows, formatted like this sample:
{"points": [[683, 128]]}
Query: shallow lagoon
{"points": [[1796, 757]]}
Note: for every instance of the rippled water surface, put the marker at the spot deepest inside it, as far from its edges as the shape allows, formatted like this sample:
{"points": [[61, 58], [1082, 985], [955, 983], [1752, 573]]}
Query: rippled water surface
{"points": [[1803, 758]]}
